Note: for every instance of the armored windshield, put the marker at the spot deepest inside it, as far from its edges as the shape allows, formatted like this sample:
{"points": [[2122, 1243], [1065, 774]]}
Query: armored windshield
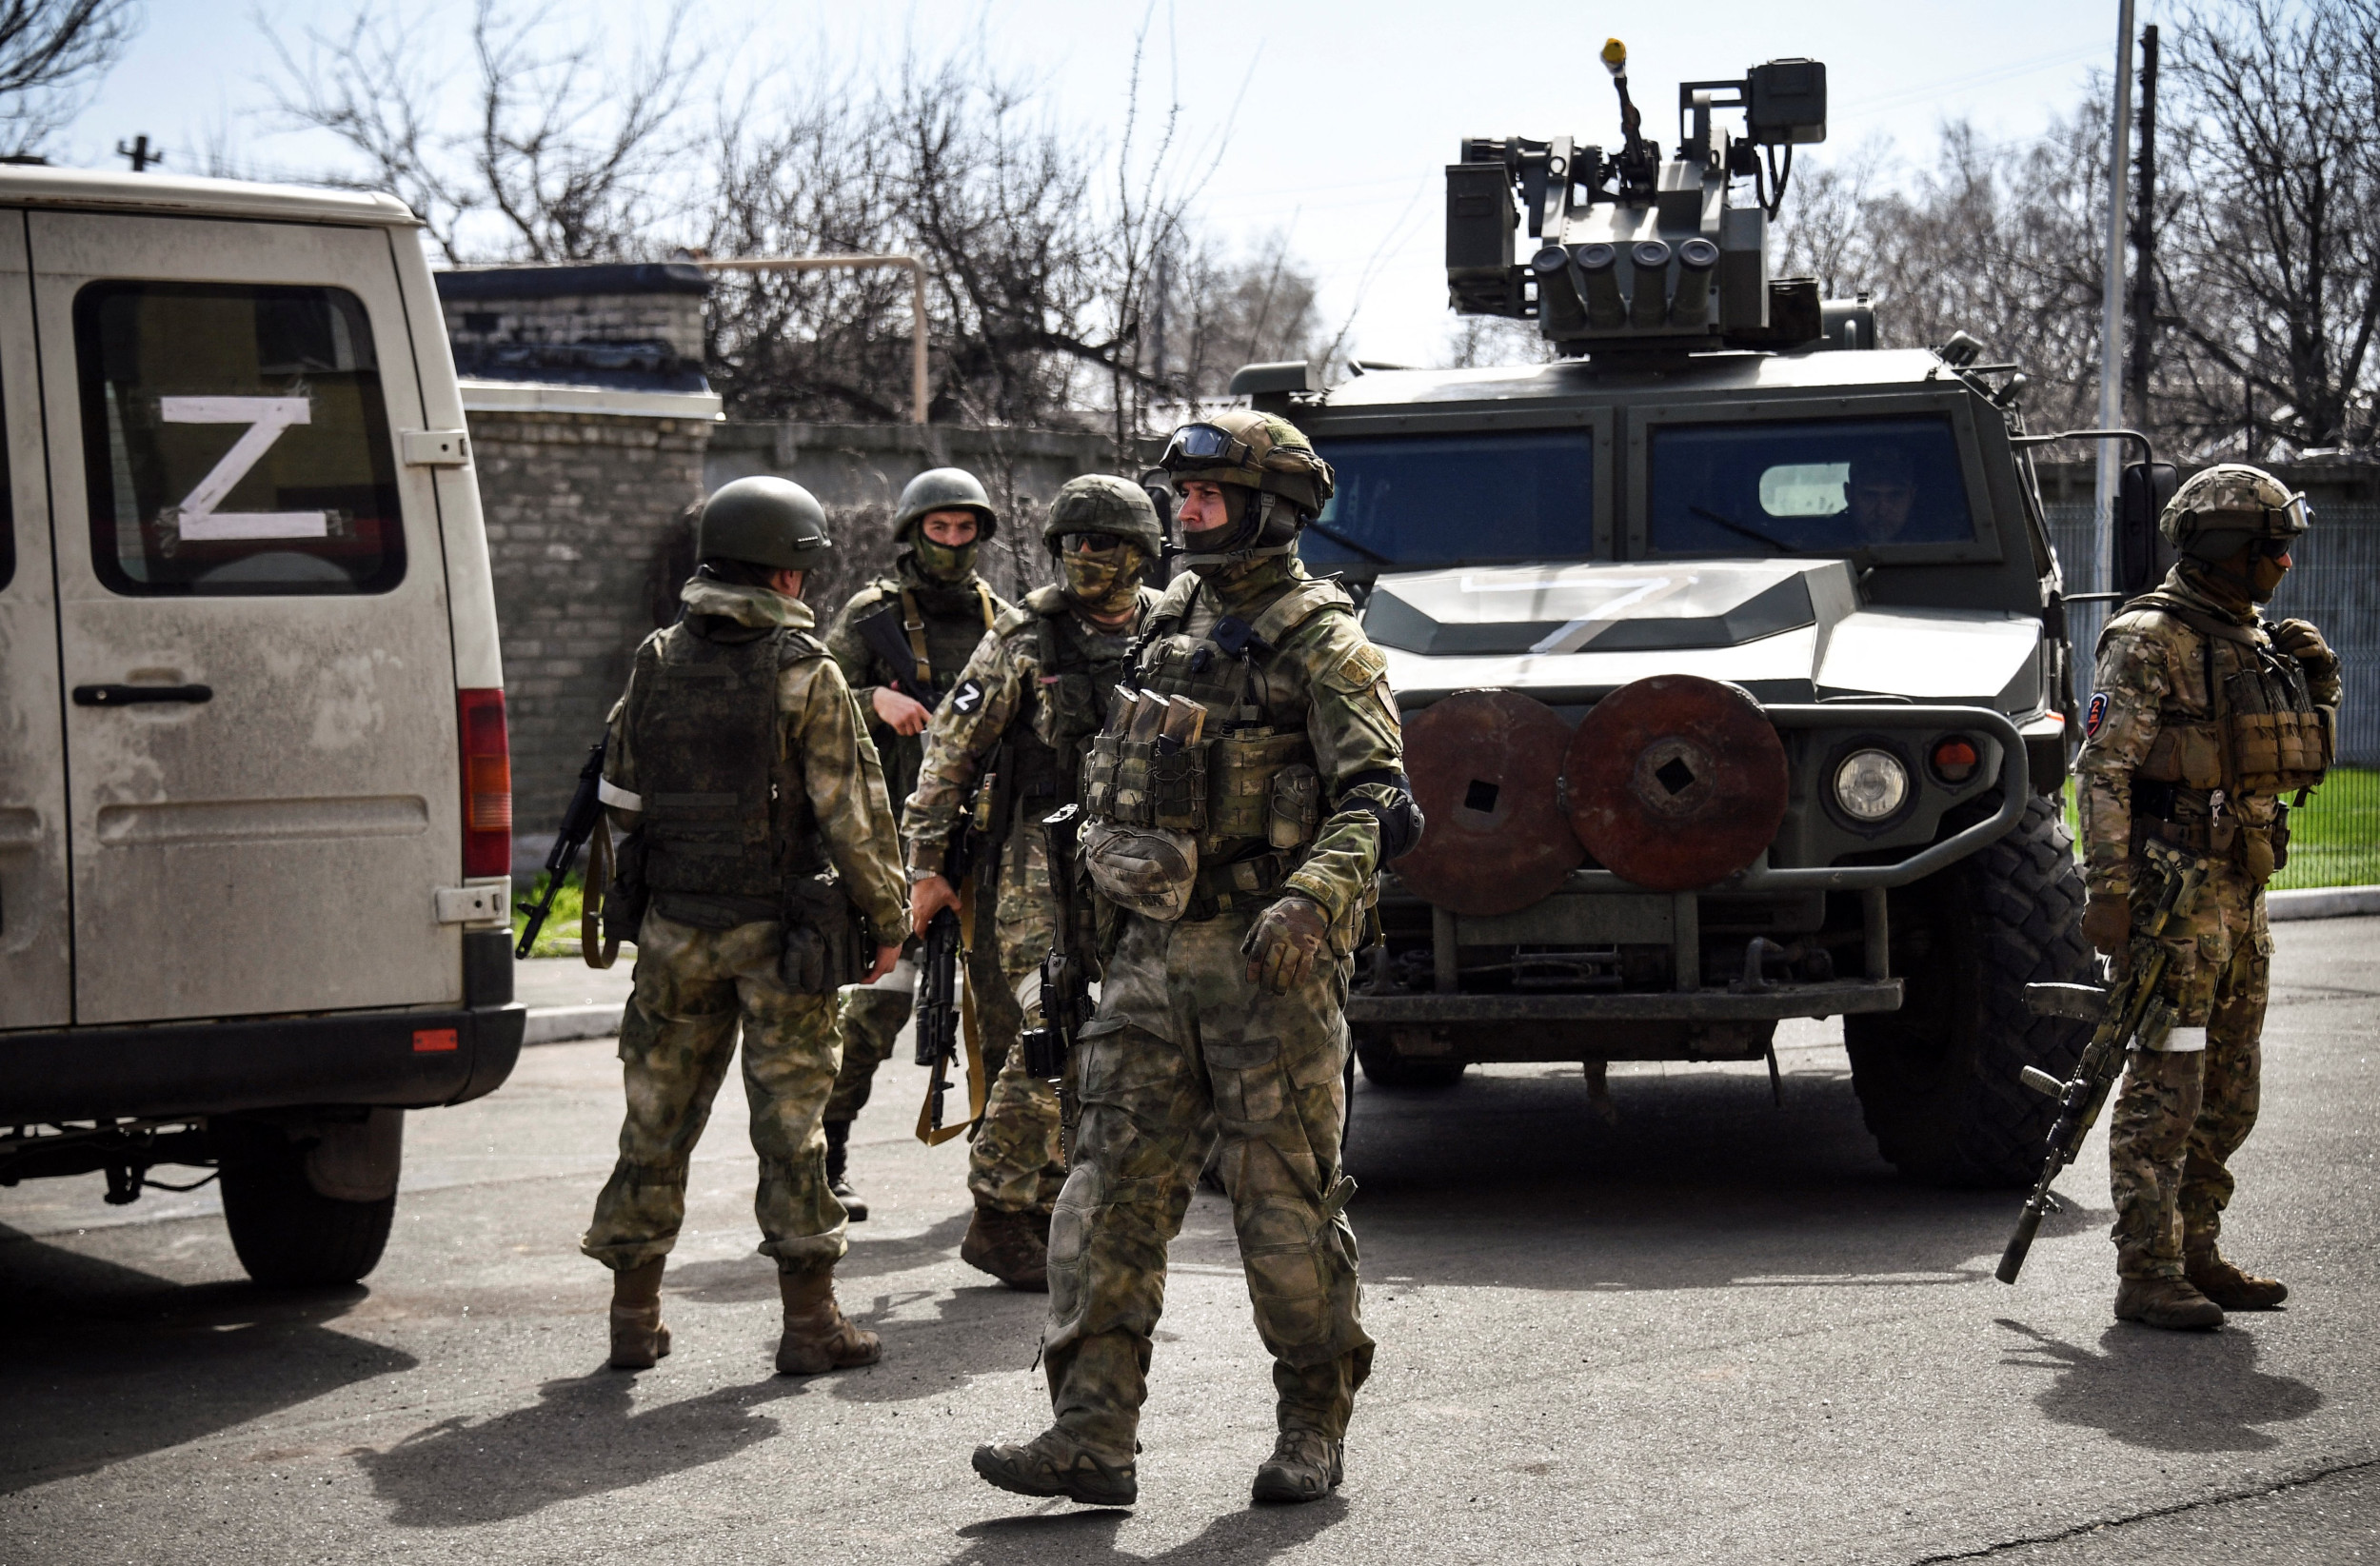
{"points": [[1418, 500], [1805, 487]]}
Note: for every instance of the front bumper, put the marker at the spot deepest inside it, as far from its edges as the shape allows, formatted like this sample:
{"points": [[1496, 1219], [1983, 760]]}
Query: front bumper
{"points": [[405, 1059]]}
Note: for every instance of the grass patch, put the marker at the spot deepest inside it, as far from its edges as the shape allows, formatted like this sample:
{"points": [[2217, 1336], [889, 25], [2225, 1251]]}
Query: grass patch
{"points": [[560, 935], [2333, 841]]}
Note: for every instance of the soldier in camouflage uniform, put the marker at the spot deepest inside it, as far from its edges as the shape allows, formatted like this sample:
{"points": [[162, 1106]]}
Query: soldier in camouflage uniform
{"points": [[737, 764], [2202, 718], [1024, 710], [1235, 860], [933, 609]]}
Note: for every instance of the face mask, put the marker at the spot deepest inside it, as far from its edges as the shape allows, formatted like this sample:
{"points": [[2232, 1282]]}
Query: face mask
{"points": [[1104, 583], [1240, 506], [944, 562], [2265, 574]]}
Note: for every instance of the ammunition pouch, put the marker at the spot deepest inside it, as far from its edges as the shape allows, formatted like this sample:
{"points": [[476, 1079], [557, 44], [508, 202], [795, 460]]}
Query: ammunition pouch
{"points": [[826, 943], [1296, 807], [2188, 754], [2280, 752], [1146, 782], [1144, 869], [1242, 800]]}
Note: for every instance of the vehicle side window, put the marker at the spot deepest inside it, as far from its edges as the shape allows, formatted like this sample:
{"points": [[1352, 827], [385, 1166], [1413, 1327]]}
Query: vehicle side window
{"points": [[1806, 487], [235, 440]]}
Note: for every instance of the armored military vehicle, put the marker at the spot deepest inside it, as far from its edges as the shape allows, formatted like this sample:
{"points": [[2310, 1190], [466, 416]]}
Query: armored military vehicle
{"points": [[1732, 649]]}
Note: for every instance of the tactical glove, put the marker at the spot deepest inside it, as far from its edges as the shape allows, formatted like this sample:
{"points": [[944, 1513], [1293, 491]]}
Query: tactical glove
{"points": [[2107, 924], [1284, 941], [2302, 642]]}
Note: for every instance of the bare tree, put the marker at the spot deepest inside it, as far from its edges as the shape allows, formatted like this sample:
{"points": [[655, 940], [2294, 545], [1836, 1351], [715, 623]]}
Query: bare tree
{"points": [[51, 53]]}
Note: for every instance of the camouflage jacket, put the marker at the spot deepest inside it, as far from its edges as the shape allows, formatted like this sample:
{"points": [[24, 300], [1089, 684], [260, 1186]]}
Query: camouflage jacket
{"points": [[1327, 677], [2153, 674], [1005, 689], [819, 730], [956, 617]]}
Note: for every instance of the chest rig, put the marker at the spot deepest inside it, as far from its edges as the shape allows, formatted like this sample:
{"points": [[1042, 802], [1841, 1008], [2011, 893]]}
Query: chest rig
{"points": [[725, 813], [2255, 728], [1246, 789], [1040, 765]]}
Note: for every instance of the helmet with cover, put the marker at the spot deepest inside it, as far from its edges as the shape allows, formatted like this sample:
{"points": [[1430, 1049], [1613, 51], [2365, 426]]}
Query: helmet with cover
{"points": [[763, 520], [1269, 460], [1102, 502], [2229, 506]]}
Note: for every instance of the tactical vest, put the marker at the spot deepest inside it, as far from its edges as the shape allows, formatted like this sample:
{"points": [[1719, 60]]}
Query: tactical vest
{"points": [[2261, 733], [1039, 763], [726, 812], [1248, 790]]}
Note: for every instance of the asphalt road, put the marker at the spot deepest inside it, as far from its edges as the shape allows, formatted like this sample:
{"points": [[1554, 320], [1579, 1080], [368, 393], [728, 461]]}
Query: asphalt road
{"points": [[1719, 1331]]}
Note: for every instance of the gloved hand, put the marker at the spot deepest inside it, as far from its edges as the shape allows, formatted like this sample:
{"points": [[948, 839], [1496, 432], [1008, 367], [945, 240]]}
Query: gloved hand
{"points": [[2107, 924], [1284, 941], [2302, 642]]}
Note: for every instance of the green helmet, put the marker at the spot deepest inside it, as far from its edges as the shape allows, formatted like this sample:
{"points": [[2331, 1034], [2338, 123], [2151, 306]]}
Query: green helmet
{"points": [[2222, 509], [763, 520], [946, 490], [1254, 450], [1102, 502]]}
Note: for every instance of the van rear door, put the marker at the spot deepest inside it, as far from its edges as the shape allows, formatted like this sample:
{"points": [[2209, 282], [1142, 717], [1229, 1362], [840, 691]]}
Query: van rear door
{"points": [[261, 722], [36, 969]]}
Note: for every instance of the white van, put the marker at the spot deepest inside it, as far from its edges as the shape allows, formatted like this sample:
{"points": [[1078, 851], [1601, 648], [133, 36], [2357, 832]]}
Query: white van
{"points": [[255, 797]]}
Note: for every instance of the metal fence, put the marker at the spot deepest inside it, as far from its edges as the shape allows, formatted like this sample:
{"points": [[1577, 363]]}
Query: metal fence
{"points": [[2335, 582]]}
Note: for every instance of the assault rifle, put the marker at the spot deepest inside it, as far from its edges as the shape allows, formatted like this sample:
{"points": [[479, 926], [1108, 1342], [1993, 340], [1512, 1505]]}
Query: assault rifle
{"points": [[937, 1023], [884, 634], [1067, 1002], [2130, 1011], [578, 824]]}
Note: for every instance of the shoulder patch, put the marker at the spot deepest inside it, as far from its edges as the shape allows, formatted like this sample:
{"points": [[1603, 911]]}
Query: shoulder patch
{"points": [[967, 698], [2096, 715], [1359, 667]]}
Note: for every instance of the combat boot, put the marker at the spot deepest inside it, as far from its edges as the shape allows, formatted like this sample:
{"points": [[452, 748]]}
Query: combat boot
{"points": [[1013, 1247], [838, 1160], [819, 1337], [1054, 1464], [1303, 1466], [638, 1338], [2229, 1287], [2167, 1302]]}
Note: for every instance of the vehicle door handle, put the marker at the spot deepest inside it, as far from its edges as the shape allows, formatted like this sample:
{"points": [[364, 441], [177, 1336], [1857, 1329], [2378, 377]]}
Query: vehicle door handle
{"points": [[125, 696]]}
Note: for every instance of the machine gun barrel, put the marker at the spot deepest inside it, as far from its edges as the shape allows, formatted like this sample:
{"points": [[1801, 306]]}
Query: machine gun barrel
{"points": [[578, 824], [2134, 1011]]}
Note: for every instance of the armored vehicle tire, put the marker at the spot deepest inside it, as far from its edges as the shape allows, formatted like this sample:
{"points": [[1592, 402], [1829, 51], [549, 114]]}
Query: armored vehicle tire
{"points": [[1382, 1067], [288, 1235], [1937, 1079]]}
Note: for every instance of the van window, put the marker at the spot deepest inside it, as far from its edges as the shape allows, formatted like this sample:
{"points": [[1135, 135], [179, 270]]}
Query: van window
{"points": [[235, 440], [1815, 486]]}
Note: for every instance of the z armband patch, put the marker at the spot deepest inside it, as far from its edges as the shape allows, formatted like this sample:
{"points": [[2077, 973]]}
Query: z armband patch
{"points": [[2097, 715], [967, 698]]}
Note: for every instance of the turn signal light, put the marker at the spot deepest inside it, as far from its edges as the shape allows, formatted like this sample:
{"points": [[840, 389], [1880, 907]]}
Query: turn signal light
{"points": [[486, 784], [1955, 759]]}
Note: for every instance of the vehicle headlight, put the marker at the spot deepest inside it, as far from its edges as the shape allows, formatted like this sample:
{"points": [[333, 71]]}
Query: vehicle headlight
{"points": [[1871, 784]]}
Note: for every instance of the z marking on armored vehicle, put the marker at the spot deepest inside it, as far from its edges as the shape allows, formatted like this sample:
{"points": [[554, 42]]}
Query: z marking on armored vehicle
{"points": [[1734, 663]]}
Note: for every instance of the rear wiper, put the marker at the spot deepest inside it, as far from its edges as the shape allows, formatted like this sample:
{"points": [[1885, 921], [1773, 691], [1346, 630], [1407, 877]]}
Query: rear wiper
{"points": [[1345, 542], [1753, 533]]}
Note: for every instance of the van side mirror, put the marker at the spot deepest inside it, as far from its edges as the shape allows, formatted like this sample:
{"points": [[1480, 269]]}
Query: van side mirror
{"points": [[2142, 557]]}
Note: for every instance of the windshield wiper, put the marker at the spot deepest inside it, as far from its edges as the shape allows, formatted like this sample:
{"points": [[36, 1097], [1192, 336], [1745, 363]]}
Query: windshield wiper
{"points": [[1753, 533], [1345, 542]]}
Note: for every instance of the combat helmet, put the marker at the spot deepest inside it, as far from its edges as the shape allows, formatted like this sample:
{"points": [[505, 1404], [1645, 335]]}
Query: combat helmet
{"points": [[2229, 505], [946, 490], [1102, 502], [1260, 451], [763, 520]]}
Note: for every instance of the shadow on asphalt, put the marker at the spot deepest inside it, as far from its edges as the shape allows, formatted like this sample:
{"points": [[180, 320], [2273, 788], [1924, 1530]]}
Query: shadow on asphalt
{"points": [[131, 1364], [1054, 1533], [1511, 1179], [585, 1436], [2167, 1391]]}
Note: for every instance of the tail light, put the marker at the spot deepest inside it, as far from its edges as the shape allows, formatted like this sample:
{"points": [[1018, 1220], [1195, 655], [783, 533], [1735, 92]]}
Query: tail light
{"points": [[486, 784]]}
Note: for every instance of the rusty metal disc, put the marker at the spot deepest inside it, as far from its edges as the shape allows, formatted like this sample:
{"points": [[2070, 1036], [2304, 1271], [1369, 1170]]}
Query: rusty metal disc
{"points": [[1486, 766], [1676, 782]]}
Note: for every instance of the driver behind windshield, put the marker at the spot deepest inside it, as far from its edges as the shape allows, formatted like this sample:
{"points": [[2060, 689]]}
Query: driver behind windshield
{"points": [[1879, 495]]}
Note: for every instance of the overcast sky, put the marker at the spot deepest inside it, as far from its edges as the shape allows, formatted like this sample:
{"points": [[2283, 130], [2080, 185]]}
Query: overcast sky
{"points": [[1346, 113]]}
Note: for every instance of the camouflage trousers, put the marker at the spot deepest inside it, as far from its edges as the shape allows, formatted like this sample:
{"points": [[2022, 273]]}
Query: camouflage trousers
{"points": [[693, 986], [870, 1021], [1185, 1051], [2185, 1110], [1013, 1164]]}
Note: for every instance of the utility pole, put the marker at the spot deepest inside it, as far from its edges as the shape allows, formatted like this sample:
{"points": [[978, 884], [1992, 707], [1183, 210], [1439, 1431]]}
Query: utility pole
{"points": [[140, 154], [2145, 233], [2111, 302]]}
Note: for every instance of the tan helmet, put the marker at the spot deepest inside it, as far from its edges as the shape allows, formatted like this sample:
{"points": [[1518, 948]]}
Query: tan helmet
{"points": [[1102, 502], [2225, 508], [1256, 451]]}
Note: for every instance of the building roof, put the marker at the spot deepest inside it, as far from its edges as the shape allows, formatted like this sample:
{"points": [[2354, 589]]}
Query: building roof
{"points": [[24, 185]]}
